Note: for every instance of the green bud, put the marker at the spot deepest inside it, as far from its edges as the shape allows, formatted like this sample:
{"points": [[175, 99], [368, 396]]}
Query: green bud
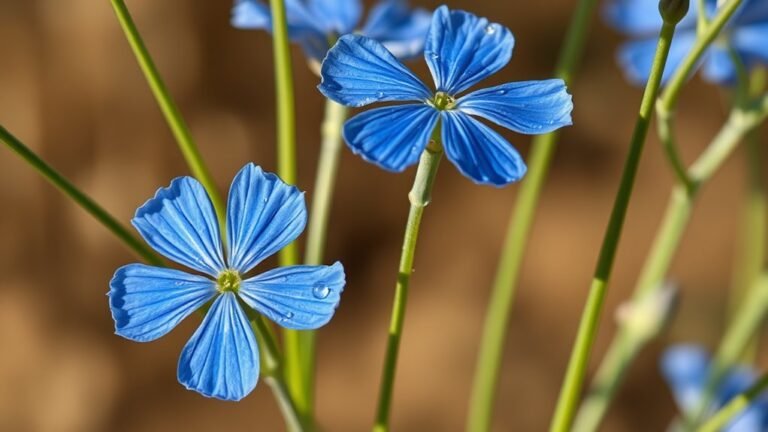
{"points": [[673, 10]]}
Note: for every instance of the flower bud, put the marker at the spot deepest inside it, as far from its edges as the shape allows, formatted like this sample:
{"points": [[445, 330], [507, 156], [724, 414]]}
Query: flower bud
{"points": [[672, 11]]}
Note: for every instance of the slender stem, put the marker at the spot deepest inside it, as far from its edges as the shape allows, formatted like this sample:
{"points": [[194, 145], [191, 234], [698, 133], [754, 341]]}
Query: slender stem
{"points": [[322, 198], [574, 378], [420, 196], [491, 349], [733, 408], [172, 115], [626, 345], [79, 197]]}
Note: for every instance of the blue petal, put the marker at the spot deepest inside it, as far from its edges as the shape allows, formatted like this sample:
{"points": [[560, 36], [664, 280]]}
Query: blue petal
{"points": [[636, 57], [335, 16], [148, 302], [263, 216], [462, 49], [530, 107], [478, 152], [297, 297], [718, 66], [751, 12], [401, 30], [752, 42], [359, 71], [256, 15], [179, 222], [685, 368], [221, 360], [391, 137], [642, 18], [737, 381], [251, 14]]}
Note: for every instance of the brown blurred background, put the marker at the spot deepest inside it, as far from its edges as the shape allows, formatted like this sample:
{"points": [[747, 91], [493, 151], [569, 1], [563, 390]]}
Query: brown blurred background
{"points": [[70, 88]]}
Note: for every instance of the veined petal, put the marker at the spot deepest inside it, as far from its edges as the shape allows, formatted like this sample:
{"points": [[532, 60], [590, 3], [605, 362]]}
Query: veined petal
{"points": [[479, 152], [263, 216], [462, 49], [752, 42], [391, 137], [359, 71], [221, 360], [685, 368], [530, 107], [335, 16], [718, 66], [401, 30], [179, 222], [296, 297], [642, 18], [148, 302], [636, 57]]}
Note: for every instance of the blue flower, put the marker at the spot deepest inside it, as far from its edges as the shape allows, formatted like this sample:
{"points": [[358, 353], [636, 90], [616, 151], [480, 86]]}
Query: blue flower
{"points": [[461, 50], [686, 369], [313, 23], [746, 35], [264, 214]]}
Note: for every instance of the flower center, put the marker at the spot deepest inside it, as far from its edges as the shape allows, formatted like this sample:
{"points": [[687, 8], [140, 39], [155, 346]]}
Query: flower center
{"points": [[443, 101], [228, 280]]}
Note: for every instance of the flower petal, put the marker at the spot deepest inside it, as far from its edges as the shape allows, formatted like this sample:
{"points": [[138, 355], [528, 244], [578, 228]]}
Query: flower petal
{"points": [[391, 137], [753, 418], [359, 71], [179, 222], [401, 30], [339, 17], [256, 15], [148, 302], [221, 360], [480, 153], [296, 297], [263, 216], [636, 57], [752, 42], [685, 368], [462, 49], [718, 66], [642, 18], [530, 107]]}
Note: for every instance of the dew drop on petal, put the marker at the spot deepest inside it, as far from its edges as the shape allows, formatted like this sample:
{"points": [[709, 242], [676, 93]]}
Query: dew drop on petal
{"points": [[502, 92], [380, 94], [288, 315], [490, 29], [434, 56], [321, 292]]}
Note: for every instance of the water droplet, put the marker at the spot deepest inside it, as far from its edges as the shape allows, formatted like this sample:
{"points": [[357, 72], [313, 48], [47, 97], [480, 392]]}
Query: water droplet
{"points": [[490, 29], [321, 292], [502, 92], [380, 94], [434, 55], [265, 200], [288, 315]]}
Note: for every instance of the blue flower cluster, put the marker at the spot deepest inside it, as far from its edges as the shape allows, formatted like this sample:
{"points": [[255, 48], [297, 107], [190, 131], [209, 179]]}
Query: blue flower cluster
{"points": [[686, 369], [313, 23], [264, 215], [746, 35], [461, 50]]}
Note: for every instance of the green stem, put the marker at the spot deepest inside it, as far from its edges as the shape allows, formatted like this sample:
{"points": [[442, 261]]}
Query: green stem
{"points": [[420, 196], [322, 198], [574, 378], [626, 345], [79, 197], [172, 115], [491, 349], [733, 408]]}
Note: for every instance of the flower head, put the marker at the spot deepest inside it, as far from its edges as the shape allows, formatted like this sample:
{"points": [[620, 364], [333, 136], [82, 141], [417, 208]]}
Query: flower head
{"points": [[314, 23], [746, 35], [461, 50], [264, 214], [686, 368]]}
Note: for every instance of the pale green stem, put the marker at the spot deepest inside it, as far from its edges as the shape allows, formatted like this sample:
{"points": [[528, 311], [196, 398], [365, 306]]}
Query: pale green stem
{"points": [[625, 344], [322, 198], [574, 378], [735, 407], [495, 327], [171, 112], [419, 197]]}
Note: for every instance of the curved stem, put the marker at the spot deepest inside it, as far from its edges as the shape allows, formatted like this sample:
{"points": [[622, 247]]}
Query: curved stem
{"points": [[322, 198], [577, 365], [79, 197], [491, 348], [420, 196], [172, 115]]}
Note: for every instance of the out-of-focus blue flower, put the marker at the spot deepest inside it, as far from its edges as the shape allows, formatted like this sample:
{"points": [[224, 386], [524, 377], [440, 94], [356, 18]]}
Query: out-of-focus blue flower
{"points": [[264, 214], [461, 50], [314, 23], [686, 369], [746, 35]]}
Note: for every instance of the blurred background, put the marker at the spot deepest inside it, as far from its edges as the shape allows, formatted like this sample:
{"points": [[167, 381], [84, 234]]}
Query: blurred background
{"points": [[71, 89]]}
